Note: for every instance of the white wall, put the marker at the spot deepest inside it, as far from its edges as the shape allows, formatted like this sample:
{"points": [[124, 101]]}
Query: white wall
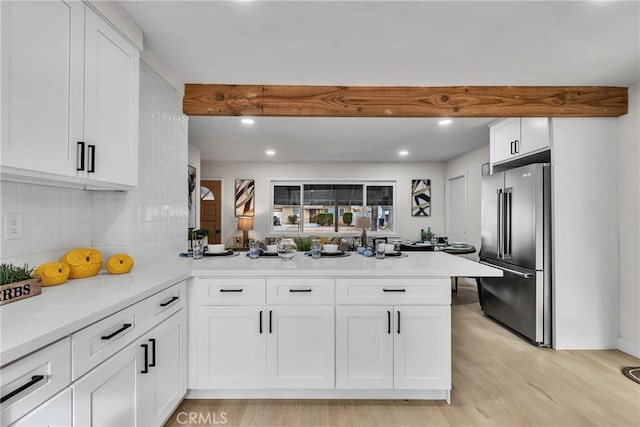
{"points": [[629, 225], [148, 222], [469, 164], [585, 228], [264, 172]]}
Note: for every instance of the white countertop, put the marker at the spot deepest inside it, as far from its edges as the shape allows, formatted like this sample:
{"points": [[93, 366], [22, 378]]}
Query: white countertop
{"points": [[32, 323]]}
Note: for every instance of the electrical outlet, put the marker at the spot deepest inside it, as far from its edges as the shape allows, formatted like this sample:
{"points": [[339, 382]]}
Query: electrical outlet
{"points": [[13, 226]]}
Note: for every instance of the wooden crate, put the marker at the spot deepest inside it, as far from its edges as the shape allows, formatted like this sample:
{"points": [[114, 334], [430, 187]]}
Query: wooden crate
{"points": [[20, 290]]}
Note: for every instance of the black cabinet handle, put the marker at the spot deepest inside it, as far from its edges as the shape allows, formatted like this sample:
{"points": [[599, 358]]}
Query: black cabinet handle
{"points": [[389, 322], [146, 358], [124, 328], [270, 323], [231, 290], [398, 321], [34, 380], [164, 304], [260, 321], [516, 144], [80, 156], [299, 290], [153, 352], [513, 151], [92, 163], [394, 290]]}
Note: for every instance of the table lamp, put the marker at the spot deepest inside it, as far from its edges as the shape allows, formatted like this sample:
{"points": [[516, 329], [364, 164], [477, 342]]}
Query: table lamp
{"points": [[245, 223]]}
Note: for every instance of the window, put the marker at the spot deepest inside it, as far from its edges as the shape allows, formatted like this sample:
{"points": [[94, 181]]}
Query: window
{"points": [[343, 207]]}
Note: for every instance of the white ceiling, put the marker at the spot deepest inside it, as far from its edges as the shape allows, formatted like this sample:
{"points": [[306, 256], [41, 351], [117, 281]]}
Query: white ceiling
{"points": [[417, 43]]}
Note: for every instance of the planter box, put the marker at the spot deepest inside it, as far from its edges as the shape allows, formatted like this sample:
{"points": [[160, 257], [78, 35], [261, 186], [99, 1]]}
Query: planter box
{"points": [[20, 290]]}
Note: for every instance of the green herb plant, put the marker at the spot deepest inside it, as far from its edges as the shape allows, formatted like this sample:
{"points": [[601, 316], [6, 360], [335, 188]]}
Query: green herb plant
{"points": [[10, 273]]}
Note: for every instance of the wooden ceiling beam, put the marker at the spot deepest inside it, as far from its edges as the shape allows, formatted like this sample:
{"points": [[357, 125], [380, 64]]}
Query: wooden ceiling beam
{"points": [[397, 101]]}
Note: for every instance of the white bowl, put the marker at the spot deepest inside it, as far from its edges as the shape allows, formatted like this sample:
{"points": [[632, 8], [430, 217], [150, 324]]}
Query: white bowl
{"points": [[272, 249], [389, 248], [216, 249], [330, 248]]}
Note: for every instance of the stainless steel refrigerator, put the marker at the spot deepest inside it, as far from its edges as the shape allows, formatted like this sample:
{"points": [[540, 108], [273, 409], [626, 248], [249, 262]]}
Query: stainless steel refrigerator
{"points": [[516, 238]]}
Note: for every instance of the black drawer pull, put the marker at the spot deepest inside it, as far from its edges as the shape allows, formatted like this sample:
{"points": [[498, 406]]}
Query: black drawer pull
{"points": [[34, 380], [260, 321], [299, 290], [164, 304], [231, 290], [124, 328], [398, 321], [92, 165], [394, 290], [146, 358], [270, 328], [389, 322]]}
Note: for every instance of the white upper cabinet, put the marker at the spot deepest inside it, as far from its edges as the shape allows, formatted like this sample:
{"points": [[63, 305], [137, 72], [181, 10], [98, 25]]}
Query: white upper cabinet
{"points": [[517, 137], [70, 86]]}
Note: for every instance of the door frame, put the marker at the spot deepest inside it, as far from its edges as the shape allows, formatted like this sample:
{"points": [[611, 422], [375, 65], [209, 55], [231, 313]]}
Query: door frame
{"points": [[222, 207], [447, 227]]}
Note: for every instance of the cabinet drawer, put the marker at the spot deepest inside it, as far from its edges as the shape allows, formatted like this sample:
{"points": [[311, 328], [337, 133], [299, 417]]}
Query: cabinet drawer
{"points": [[300, 291], [378, 291], [228, 291], [163, 304], [28, 382], [95, 343]]}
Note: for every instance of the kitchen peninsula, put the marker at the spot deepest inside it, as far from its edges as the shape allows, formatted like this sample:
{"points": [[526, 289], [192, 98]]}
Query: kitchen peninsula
{"points": [[335, 327]]}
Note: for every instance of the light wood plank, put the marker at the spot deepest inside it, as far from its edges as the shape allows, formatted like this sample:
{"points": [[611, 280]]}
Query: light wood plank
{"points": [[498, 379], [396, 101]]}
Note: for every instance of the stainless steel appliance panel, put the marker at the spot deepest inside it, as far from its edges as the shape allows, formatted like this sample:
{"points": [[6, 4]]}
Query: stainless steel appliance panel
{"points": [[523, 215], [492, 187], [511, 300]]}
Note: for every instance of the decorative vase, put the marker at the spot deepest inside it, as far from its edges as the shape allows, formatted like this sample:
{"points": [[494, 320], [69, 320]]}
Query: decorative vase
{"points": [[287, 249]]}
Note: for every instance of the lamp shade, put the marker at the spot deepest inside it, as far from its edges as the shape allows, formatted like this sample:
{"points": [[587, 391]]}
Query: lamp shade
{"points": [[363, 222], [245, 223]]}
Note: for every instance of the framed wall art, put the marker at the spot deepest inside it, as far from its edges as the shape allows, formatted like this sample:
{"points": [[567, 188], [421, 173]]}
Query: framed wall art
{"points": [[421, 197], [245, 189]]}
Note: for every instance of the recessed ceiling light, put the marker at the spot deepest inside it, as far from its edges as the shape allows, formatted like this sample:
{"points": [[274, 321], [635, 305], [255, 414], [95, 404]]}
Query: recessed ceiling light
{"points": [[444, 122], [270, 152], [403, 153], [247, 121]]}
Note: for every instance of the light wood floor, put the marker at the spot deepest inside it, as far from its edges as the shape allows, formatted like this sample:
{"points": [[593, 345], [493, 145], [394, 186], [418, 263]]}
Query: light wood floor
{"points": [[498, 380]]}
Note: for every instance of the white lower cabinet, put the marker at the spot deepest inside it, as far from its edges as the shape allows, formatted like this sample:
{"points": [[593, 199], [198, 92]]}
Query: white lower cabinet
{"points": [[55, 412], [300, 347], [141, 385], [230, 347], [253, 347], [401, 347]]}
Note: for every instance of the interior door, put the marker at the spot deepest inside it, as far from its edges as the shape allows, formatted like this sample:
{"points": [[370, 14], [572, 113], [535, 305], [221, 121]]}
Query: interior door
{"points": [[491, 185], [210, 204]]}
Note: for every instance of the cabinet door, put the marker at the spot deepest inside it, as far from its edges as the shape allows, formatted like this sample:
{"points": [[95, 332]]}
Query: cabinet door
{"points": [[502, 135], [167, 383], [54, 412], [364, 347], [300, 347], [422, 347], [110, 394], [230, 345], [42, 84], [112, 69], [535, 135]]}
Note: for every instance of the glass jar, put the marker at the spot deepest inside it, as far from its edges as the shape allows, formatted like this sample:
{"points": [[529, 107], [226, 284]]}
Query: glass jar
{"points": [[287, 249]]}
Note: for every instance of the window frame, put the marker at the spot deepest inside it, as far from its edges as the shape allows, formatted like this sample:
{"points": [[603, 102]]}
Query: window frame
{"points": [[302, 182]]}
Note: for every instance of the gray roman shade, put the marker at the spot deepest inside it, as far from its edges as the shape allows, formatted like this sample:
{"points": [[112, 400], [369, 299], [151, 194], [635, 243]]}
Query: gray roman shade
{"points": [[379, 195], [286, 195]]}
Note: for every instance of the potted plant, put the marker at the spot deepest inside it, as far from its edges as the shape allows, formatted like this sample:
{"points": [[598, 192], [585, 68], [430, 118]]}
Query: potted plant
{"points": [[16, 283]]}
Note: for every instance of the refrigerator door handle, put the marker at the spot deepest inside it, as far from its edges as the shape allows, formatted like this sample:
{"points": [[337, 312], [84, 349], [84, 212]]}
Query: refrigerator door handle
{"points": [[500, 224], [506, 248], [525, 275]]}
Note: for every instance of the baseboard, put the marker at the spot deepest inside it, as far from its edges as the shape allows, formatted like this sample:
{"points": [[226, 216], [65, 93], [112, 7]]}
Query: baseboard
{"points": [[629, 347]]}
